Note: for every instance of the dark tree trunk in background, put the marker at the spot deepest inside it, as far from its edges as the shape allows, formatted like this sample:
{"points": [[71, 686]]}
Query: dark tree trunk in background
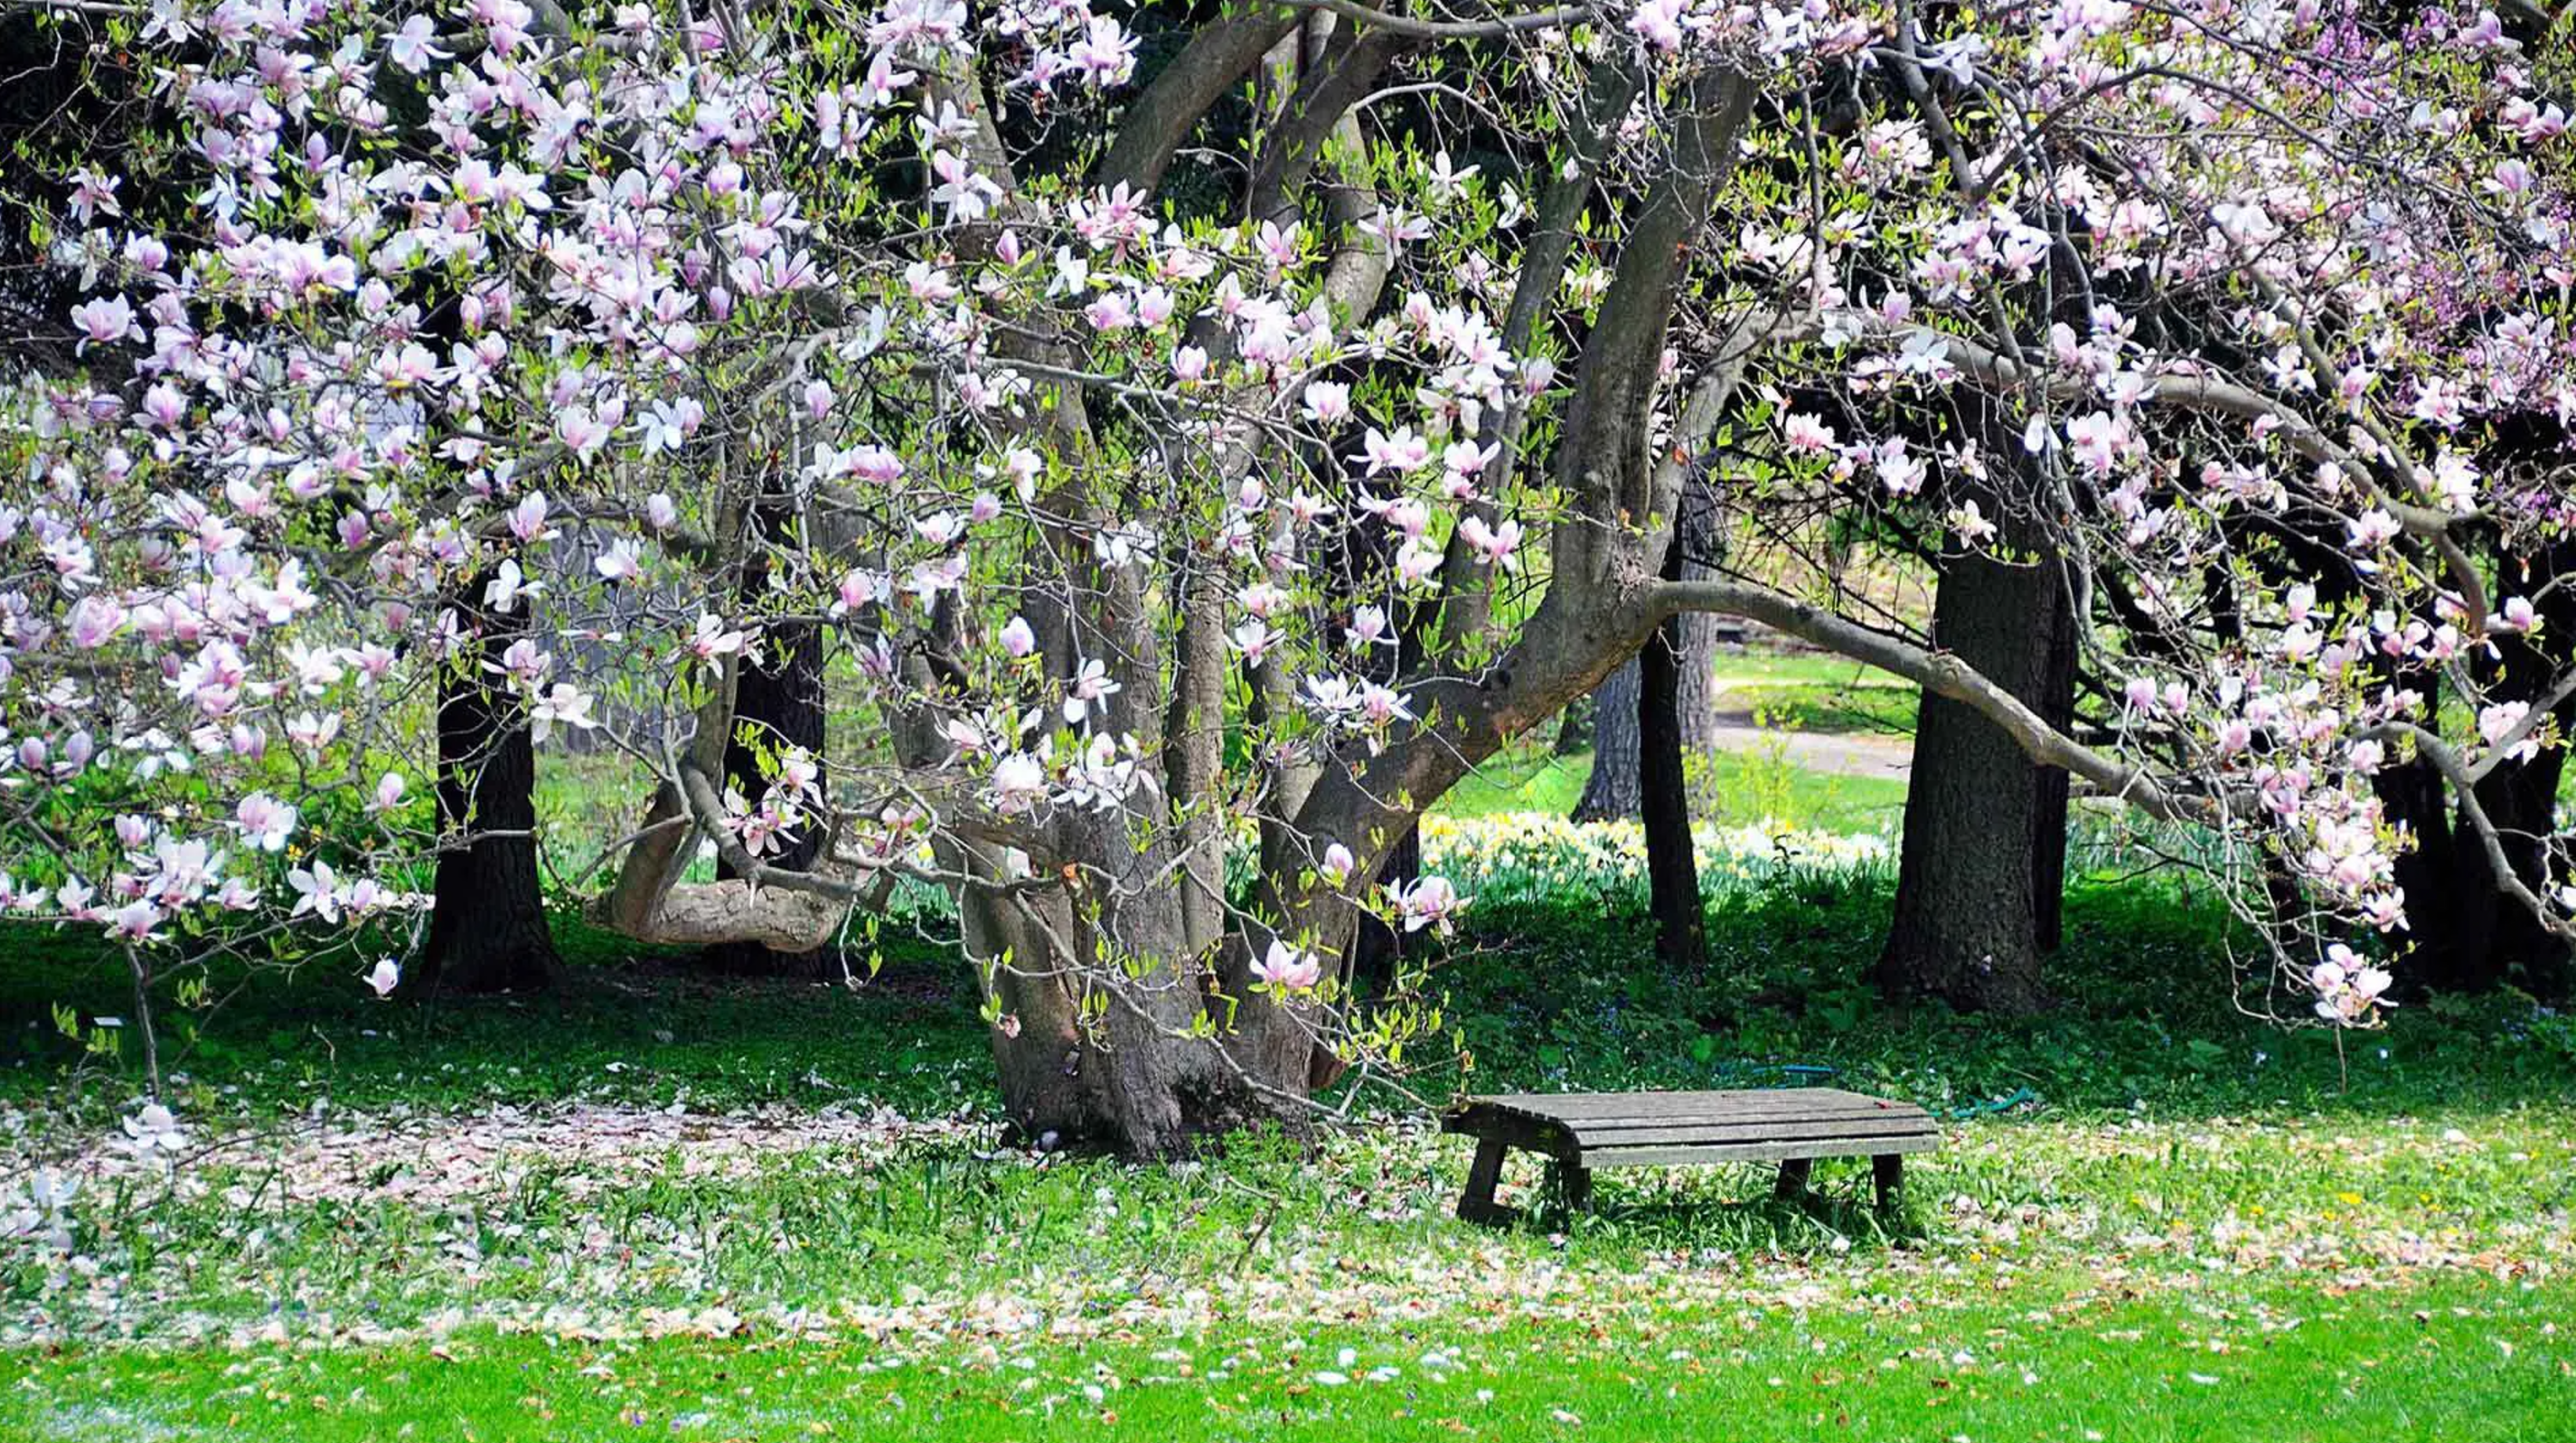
{"points": [[1574, 729], [487, 923], [1611, 792], [2448, 926], [778, 703], [1672, 873], [1378, 949], [1967, 924], [2056, 704], [2493, 938]]}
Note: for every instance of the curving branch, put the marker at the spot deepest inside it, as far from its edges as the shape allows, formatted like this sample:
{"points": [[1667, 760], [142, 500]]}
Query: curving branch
{"points": [[2463, 779], [1943, 675]]}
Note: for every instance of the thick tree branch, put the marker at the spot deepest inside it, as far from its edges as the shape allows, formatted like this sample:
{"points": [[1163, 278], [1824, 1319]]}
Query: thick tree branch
{"points": [[1170, 109], [1943, 675]]}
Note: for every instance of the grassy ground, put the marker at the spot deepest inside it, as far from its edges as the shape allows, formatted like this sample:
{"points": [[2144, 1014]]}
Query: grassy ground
{"points": [[663, 1206], [1727, 789], [2035, 1360], [1829, 707]]}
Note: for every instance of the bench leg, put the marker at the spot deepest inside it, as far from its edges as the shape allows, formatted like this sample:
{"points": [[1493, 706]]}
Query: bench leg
{"points": [[1478, 1206], [1576, 1181], [1887, 1175], [1793, 1178]]}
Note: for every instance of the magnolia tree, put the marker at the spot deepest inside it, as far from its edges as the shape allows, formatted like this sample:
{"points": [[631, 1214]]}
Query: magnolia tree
{"points": [[1173, 436]]}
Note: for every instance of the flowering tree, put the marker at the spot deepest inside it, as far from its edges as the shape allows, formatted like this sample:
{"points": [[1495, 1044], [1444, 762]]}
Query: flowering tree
{"points": [[1175, 434]]}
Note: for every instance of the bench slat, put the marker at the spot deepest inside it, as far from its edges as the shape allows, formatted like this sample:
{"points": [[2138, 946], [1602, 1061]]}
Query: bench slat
{"points": [[1613, 1121], [1747, 1115], [1592, 1141], [1567, 1105], [1759, 1151]]}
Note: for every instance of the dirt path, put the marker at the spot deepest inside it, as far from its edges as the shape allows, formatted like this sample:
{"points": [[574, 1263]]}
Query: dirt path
{"points": [[1842, 754]]}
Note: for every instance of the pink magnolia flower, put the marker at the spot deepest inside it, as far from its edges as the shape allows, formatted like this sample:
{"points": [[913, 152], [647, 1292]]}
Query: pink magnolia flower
{"points": [[1018, 638], [1429, 902], [265, 821], [105, 320], [1338, 864], [1288, 969]]}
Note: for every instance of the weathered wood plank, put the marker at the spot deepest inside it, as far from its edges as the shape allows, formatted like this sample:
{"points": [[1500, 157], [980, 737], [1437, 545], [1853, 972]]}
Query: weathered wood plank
{"points": [[1513, 1130], [1579, 1104], [1570, 1137], [1591, 1139], [1744, 1117], [1615, 1121], [1645, 1110], [1683, 1153]]}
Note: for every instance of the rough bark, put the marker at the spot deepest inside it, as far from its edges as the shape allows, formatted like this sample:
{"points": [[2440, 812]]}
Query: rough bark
{"points": [[487, 925], [1675, 717], [1613, 792], [2056, 706], [1672, 873], [1620, 779], [1967, 922]]}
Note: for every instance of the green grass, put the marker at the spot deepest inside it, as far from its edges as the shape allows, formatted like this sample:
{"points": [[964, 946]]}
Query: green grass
{"points": [[632, 1028], [1830, 708], [2046, 1358], [1800, 668], [1728, 788], [481, 1219], [1529, 777]]}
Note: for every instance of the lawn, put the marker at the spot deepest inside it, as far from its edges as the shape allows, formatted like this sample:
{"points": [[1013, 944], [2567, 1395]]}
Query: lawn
{"points": [[1832, 707], [666, 1206], [1728, 788], [2034, 1358]]}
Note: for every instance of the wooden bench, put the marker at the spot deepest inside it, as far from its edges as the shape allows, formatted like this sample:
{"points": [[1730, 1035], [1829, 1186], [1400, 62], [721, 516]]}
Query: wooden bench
{"points": [[1584, 1131]]}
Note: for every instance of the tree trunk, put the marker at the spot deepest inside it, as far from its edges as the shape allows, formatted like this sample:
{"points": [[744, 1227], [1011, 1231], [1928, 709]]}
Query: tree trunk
{"points": [[778, 703], [1967, 923], [1134, 1076], [2450, 923], [487, 923], [1378, 949], [1612, 790], [1573, 729], [1669, 708], [2056, 705], [2493, 938], [1672, 873]]}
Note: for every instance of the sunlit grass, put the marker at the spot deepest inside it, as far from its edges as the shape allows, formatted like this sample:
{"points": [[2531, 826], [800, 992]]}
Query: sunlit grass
{"points": [[661, 1204]]}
